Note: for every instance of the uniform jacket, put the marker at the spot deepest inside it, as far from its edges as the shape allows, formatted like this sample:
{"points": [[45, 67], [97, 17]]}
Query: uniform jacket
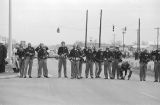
{"points": [[85, 50], [89, 55], [108, 55], [74, 54], [20, 52], [155, 55], [117, 55], [94, 54], [63, 50], [29, 52], [81, 54], [99, 56], [144, 57], [42, 52]]}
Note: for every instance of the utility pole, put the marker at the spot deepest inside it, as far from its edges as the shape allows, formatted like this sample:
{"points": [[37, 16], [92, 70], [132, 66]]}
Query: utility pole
{"points": [[10, 32], [100, 29], [114, 39], [137, 40], [86, 28], [157, 37], [123, 40], [138, 37], [123, 32]]}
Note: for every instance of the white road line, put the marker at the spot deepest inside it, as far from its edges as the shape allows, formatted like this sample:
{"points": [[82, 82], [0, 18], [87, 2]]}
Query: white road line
{"points": [[151, 96]]}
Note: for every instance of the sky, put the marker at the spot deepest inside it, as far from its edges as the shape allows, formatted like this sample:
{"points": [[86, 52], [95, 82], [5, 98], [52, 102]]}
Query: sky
{"points": [[37, 21]]}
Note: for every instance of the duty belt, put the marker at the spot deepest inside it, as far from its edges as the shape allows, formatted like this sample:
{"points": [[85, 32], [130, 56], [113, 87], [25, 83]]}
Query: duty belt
{"points": [[76, 59], [42, 57], [62, 57], [89, 60]]}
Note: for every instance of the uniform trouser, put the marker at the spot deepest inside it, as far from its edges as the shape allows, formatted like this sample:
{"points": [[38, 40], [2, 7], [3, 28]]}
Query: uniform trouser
{"points": [[2, 66], [21, 66], [107, 69], [62, 61], [42, 64], [28, 66], [143, 68], [115, 69], [122, 74], [157, 71], [15, 64], [80, 68], [89, 68], [98, 69], [74, 69]]}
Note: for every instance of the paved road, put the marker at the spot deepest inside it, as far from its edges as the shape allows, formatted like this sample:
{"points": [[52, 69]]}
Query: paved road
{"points": [[54, 91]]}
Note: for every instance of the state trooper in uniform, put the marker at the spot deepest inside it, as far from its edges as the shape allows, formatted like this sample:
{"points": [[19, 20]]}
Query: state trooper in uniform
{"points": [[144, 59], [84, 53], [29, 56], [94, 61], [42, 60], [124, 67], [99, 60], [156, 59], [81, 53], [63, 53], [89, 62], [107, 63], [117, 58], [21, 59], [74, 57]]}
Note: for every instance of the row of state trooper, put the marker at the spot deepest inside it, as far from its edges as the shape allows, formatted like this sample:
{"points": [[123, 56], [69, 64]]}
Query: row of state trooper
{"points": [[26, 56], [91, 56], [111, 59], [145, 57]]}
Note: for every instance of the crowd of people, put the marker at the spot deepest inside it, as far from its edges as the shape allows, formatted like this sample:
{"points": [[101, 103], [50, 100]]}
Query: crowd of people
{"points": [[110, 59]]}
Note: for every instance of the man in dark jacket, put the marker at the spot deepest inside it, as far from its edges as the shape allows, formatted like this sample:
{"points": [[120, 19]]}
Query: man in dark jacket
{"points": [[144, 59], [81, 53], [107, 63], [74, 57], [117, 58], [63, 53], [156, 59], [21, 59], [42, 60], [99, 60], [94, 61], [89, 62], [3, 55], [29, 56]]}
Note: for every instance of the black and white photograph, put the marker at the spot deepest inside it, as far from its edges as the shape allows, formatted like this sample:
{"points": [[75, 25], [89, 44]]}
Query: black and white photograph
{"points": [[79, 52]]}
